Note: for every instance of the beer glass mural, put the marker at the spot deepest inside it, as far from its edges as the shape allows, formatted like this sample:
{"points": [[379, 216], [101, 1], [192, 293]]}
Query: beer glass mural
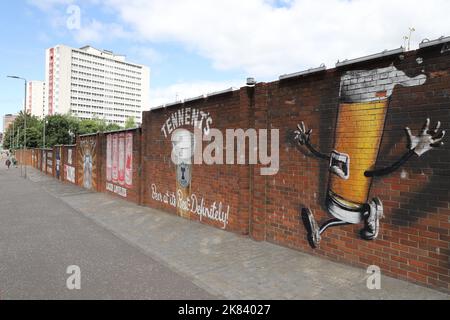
{"points": [[364, 101], [183, 145], [119, 162]]}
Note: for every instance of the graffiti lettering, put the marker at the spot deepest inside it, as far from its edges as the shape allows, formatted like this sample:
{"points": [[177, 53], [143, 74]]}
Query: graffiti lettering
{"points": [[194, 205], [187, 117], [116, 189]]}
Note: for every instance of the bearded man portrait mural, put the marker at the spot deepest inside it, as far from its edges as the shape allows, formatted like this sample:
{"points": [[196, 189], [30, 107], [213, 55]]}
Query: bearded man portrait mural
{"points": [[364, 101]]}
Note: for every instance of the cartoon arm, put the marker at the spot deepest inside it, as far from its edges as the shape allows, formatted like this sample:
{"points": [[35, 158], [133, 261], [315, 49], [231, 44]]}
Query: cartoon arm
{"points": [[417, 145], [302, 135]]}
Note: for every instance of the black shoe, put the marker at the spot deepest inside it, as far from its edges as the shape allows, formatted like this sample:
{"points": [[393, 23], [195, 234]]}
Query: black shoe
{"points": [[372, 222], [313, 228]]}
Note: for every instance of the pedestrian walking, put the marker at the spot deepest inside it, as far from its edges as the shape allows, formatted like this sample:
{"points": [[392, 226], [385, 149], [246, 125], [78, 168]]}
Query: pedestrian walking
{"points": [[8, 163]]}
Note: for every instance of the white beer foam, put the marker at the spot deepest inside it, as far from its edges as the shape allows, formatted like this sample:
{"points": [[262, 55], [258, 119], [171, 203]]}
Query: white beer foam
{"points": [[364, 85]]}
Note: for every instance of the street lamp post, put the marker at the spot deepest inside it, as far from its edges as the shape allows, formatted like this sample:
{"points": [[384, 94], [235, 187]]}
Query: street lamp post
{"points": [[25, 119]]}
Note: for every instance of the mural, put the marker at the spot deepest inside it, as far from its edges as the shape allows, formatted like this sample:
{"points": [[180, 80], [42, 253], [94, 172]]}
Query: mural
{"points": [[364, 101], [119, 163], [129, 160], [183, 144], [49, 162], [44, 161], [88, 161], [69, 156], [193, 204], [69, 173], [58, 161]]}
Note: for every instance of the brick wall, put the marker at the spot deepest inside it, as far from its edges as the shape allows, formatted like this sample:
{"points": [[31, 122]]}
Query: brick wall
{"points": [[359, 110], [209, 184], [414, 236]]}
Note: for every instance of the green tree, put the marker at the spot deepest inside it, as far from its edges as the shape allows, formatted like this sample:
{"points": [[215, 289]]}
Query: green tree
{"points": [[130, 123], [57, 130], [113, 127], [14, 137]]}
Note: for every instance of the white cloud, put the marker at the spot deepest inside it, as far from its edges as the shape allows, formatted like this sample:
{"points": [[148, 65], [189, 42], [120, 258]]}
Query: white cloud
{"points": [[185, 90], [263, 38], [147, 54], [266, 38], [49, 4]]}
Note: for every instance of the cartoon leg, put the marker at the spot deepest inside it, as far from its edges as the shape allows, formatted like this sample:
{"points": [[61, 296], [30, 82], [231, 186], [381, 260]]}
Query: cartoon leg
{"points": [[314, 231], [372, 220]]}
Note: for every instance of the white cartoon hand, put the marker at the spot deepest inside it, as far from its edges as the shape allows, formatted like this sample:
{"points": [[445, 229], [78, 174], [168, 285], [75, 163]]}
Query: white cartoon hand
{"points": [[302, 135], [426, 140]]}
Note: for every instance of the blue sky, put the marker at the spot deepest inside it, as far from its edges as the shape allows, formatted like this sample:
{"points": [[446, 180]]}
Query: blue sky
{"points": [[199, 46]]}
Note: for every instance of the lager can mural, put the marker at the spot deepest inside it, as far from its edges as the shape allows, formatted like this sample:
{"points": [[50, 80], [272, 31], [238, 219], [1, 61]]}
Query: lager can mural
{"points": [[129, 161], [115, 158], [108, 158], [119, 160]]}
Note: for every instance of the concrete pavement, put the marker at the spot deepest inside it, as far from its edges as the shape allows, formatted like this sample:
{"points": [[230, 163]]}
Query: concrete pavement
{"points": [[208, 262], [41, 235]]}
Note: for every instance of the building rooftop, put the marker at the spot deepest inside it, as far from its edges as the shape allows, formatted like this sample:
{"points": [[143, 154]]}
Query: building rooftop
{"points": [[106, 53]]}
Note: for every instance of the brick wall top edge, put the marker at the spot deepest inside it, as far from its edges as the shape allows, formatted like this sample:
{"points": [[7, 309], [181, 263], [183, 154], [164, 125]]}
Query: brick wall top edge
{"points": [[121, 130], [193, 103], [436, 49]]}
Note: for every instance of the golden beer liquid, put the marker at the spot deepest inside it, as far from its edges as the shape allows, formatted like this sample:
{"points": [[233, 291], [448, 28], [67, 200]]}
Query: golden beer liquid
{"points": [[358, 134]]}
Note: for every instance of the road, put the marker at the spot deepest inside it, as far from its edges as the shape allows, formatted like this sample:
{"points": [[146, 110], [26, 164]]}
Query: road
{"points": [[40, 236]]}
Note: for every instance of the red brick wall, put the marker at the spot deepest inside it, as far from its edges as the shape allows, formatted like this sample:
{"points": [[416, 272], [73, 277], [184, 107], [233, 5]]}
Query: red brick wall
{"points": [[414, 239], [212, 183]]}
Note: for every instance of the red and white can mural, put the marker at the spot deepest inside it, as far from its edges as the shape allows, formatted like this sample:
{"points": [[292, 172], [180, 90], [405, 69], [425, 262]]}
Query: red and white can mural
{"points": [[129, 160], [119, 162], [121, 159], [115, 158], [108, 158]]}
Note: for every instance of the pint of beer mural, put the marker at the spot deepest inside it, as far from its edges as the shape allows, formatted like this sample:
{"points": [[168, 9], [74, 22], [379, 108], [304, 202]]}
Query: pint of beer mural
{"points": [[358, 136], [360, 123], [183, 146]]}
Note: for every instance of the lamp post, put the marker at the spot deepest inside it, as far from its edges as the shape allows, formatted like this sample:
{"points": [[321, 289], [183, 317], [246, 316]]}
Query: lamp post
{"points": [[25, 119]]}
